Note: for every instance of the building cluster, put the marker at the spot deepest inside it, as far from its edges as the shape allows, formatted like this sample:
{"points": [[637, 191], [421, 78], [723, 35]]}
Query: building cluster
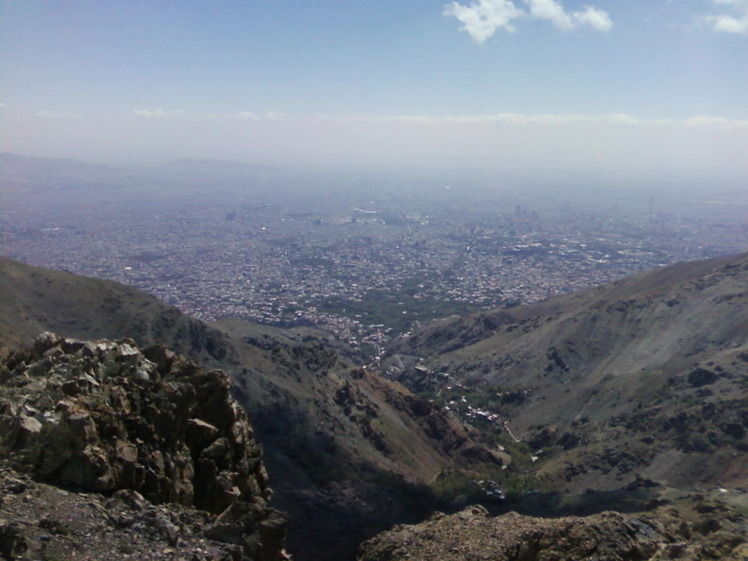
{"points": [[271, 264]]}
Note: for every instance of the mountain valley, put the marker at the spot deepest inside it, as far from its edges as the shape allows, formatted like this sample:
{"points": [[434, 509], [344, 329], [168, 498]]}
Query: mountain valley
{"points": [[629, 397], [334, 434]]}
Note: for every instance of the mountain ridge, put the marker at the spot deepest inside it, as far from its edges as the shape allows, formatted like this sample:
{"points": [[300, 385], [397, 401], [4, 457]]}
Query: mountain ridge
{"points": [[646, 364]]}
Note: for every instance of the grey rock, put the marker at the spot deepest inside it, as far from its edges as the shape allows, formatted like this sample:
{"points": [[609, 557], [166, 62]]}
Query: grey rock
{"points": [[105, 417]]}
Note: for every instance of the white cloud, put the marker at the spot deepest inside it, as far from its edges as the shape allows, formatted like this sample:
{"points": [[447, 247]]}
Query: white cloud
{"points": [[622, 119], [729, 24], [707, 121], [155, 113], [2, 105], [552, 11], [560, 120], [736, 23], [597, 19], [499, 119], [483, 18]]}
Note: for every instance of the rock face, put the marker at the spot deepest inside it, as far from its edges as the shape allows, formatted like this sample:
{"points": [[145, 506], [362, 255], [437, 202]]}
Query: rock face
{"points": [[105, 416], [43, 522], [608, 536]]}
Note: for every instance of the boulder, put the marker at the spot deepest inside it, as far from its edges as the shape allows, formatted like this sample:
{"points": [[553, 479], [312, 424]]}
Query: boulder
{"points": [[107, 417]]}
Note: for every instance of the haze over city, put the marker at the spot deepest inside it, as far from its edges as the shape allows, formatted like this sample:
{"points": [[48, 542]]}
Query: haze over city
{"points": [[623, 89]]}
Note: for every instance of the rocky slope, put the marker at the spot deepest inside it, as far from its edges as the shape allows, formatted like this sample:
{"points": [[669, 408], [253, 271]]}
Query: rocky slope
{"points": [[364, 422], [608, 536], [350, 452], [43, 521], [146, 427], [646, 377]]}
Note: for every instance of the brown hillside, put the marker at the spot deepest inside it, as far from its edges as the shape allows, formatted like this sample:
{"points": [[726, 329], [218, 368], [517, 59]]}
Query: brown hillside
{"points": [[646, 376]]}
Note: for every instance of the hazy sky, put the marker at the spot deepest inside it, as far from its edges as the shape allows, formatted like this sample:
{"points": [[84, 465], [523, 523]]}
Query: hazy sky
{"points": [[651, 85]]}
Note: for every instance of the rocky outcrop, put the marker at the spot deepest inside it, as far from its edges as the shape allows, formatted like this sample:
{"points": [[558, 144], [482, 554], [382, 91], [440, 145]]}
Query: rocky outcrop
{"points": [[39, 521], [106, 416], [608, 536]]}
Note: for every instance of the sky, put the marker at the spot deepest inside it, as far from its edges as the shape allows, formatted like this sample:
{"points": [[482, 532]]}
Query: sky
{"points": [[645, 86]]}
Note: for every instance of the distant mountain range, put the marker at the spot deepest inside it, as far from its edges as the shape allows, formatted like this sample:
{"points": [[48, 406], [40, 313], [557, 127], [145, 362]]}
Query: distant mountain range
{"points": [[27, 173]]}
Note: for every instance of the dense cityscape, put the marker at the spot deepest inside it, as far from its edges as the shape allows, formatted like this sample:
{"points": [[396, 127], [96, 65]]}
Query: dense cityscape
{"points": [[363, 265]]}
